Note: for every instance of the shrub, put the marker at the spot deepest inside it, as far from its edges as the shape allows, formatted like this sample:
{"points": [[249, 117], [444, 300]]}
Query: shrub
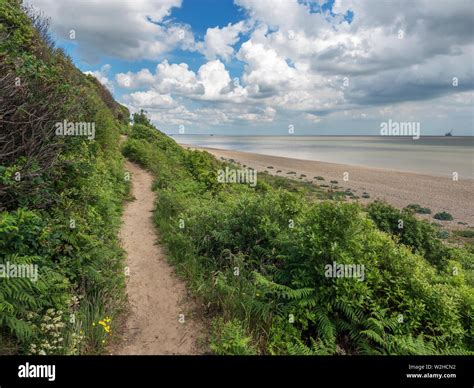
{"points": [[229, 338], [467, 233], [417, 234], [443, 234], [418, 209], [141, 118], [443, 216]]}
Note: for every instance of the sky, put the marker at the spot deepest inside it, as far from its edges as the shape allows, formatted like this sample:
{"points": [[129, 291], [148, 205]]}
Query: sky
{"points": [[270, 67]]}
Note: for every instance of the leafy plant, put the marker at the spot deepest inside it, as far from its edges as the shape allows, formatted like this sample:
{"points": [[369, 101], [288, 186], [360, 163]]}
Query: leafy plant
{"points": [[418, 209], [229, 338], [443, 216]]}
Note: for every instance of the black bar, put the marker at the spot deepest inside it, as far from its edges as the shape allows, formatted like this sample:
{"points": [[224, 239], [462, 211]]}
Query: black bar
{"points": [[175, 371]]}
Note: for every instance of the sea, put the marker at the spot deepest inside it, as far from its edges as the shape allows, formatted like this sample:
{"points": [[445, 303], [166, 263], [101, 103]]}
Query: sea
{"points": [[432, 155]]}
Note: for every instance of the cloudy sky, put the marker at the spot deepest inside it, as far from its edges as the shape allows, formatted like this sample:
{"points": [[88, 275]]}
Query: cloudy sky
{"points": [[259, 66]]}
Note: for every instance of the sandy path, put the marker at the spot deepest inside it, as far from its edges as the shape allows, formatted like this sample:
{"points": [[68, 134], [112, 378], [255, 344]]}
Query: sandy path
{"points": [[156, 296], [396, 187]]}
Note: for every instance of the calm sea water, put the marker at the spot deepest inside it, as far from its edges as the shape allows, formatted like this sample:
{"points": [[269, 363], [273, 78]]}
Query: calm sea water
{"points": [[427, 155]]}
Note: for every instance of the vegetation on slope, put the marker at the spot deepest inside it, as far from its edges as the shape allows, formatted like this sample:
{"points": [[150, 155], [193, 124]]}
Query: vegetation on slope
{"points": [[60, 196], [257, 256]]}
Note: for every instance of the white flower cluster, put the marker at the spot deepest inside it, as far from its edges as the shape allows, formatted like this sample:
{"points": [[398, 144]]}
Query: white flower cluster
{"points": [[55, 335]]}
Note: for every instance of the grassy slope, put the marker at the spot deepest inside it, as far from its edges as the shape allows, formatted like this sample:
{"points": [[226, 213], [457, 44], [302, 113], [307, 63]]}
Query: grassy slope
{"points": [[64, 213]]}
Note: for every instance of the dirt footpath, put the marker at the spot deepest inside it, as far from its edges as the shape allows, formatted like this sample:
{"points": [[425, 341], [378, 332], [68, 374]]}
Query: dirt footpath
{"points": [[160, 317]]}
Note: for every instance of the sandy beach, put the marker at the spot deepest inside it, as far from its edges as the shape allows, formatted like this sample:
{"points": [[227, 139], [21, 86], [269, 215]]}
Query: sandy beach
{"points": [[395, 187]]}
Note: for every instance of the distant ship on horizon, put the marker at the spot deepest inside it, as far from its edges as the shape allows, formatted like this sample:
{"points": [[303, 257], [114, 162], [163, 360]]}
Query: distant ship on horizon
{"points": [[450, 133]]}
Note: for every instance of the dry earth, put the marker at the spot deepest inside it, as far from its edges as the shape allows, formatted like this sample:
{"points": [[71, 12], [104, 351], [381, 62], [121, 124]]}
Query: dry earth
{"points": [[158, 299]]}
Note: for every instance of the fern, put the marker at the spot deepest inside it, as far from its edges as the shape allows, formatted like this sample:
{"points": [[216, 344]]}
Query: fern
{"points": [[280, 291], [317, 348]]}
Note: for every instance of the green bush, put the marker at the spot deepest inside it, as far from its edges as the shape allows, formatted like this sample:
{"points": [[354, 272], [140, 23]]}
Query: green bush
{"points": [[418, 209], [419, 235], [467, 233], [229, 338], [443, 216], [443, 234]]}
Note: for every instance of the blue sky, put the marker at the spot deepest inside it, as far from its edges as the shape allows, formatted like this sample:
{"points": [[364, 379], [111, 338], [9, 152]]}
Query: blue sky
{"points": [[260, 66], [199, 14]]}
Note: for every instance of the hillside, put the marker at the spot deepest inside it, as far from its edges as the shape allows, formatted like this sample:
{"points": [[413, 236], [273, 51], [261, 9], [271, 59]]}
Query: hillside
{"points": [[60, 196]]}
